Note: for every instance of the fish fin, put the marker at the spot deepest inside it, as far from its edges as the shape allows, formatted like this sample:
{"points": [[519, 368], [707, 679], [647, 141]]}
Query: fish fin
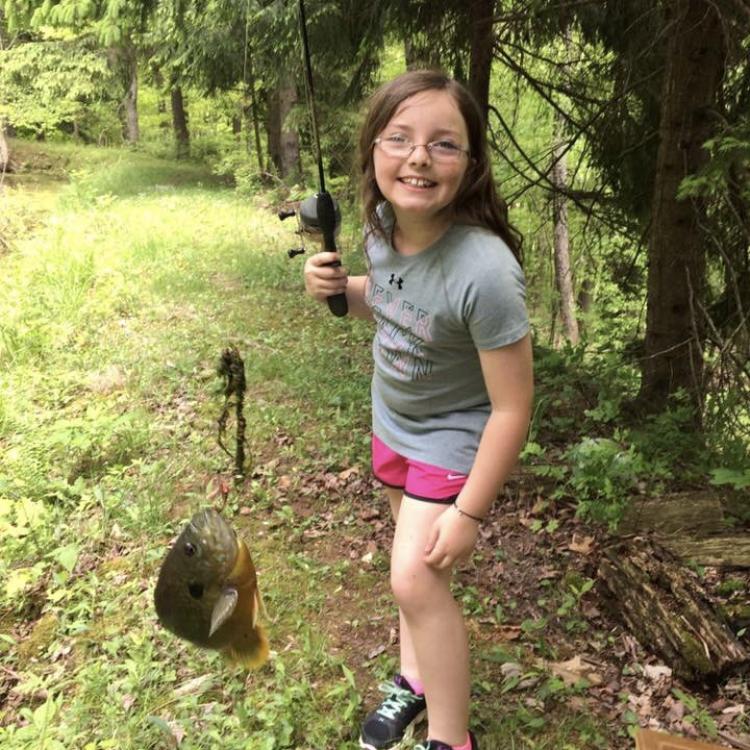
{"points": [[262, 606], [252, 654], [223, 609]]}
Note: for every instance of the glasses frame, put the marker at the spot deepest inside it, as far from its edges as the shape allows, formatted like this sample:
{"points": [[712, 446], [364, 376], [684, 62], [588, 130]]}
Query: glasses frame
{"points": [[427, 146]]}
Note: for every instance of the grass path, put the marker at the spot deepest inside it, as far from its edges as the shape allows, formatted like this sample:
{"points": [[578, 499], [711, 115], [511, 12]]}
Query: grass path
{"points": [[116, 300]]}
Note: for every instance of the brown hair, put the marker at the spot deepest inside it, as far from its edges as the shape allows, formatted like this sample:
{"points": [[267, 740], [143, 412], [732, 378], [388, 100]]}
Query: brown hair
{"points": [[477, 201]]}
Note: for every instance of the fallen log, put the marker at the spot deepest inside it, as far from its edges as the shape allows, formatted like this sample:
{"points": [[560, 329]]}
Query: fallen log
{"points": [[698, 514], [646, 739], [692, 525], [664, 606], [728, 551]]}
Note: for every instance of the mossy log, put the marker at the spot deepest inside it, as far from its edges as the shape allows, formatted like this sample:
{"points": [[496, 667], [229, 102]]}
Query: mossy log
{"points": [[664, 606], [692, 525], [699, 514], [717, 551]]}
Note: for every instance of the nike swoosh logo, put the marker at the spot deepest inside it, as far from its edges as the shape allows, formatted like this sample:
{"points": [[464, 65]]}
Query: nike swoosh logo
{"points": [[455, 476]]}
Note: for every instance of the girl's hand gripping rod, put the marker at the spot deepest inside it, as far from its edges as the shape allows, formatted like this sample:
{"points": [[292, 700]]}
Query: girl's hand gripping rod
{"points": [[325, 219]]}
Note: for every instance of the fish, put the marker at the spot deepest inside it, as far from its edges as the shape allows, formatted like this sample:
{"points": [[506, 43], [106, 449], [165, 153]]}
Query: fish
{"points": [[207, 591]]}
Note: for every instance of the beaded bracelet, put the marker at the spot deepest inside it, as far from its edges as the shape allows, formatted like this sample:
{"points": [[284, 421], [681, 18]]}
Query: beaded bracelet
{"points": [[468, 515]]}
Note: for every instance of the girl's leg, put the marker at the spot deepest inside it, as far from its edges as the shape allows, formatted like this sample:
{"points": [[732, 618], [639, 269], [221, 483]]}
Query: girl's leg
{"points": [[408, 660], [434, 623]]}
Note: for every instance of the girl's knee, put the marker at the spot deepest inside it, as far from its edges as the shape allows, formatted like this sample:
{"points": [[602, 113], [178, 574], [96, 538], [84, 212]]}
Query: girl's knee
{"points": [[416, 586]]}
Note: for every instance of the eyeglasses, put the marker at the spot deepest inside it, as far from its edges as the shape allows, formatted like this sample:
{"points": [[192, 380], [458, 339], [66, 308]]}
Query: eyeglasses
{"points": [[396, 145]]}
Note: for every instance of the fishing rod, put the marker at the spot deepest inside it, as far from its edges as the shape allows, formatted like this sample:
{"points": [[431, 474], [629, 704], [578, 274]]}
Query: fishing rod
{"points": [[319, 212]]}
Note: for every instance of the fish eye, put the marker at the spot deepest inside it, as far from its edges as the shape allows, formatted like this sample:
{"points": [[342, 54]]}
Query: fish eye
{"points": [[196, 590], [189, 549]]}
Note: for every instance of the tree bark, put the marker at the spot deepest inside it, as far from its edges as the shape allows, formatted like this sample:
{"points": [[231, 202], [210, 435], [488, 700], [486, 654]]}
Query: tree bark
{"points": [[559, 179], [665, 607], [250, 112], [291, 163], [4, 150], [131, 129], [563, 275], [674, 335], [283, 143], [273, 130], [480, 65], [179, 123]]}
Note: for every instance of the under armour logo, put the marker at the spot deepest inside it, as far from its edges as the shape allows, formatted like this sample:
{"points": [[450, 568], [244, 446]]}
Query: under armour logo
{"points": [[398, 281]]}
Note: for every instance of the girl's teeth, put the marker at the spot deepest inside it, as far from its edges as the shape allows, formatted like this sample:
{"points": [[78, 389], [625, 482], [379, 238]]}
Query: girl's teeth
{"points": [[416, 182]]}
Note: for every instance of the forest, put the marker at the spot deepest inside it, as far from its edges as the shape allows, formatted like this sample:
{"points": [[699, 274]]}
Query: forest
{"points": [[147, 148]]}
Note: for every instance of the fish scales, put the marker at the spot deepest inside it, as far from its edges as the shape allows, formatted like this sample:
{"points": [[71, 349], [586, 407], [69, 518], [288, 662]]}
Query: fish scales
{"points": [[207, 591]]}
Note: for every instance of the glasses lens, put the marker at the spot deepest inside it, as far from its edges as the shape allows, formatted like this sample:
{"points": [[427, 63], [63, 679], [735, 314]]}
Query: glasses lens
{"points": [[445, 151], [395, 146], [439, 150]]}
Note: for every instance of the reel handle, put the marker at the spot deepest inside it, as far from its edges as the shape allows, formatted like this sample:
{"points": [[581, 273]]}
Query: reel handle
{"points": [[326, 211]]}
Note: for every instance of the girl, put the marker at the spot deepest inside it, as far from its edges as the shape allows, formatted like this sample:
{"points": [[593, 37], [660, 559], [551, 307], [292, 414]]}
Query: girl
{"points": [[452, 384]]}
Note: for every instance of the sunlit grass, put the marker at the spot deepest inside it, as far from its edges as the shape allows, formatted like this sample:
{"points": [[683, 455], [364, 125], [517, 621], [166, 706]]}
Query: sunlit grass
{"points": [[113, 315], [114, 310]]}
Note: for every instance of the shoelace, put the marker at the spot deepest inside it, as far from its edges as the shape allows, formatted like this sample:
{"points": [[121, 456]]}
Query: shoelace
{"points": [[397, 698]]}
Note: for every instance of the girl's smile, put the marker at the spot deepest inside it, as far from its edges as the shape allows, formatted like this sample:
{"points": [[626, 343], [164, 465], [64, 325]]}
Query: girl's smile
{"points": [[418, 186]]}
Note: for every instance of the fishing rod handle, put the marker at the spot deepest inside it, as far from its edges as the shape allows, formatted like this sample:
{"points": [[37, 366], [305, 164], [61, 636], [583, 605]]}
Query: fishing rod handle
{"points": [[326, 211]]}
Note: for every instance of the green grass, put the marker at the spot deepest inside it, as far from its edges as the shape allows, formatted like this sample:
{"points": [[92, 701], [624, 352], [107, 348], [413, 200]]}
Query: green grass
{"points": [[114, 308]]}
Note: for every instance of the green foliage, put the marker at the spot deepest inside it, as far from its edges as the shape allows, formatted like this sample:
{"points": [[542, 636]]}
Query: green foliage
{"points": [[730, 154], [609, 457], [739, 480], [603, 474], [55, 86], [696, 714]]}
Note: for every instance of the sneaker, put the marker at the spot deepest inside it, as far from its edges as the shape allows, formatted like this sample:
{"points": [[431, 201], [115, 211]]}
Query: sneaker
{"points": [[395, 718], [438, 745]]}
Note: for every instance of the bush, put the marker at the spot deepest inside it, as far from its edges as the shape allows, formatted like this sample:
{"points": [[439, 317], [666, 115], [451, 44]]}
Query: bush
{"points": [[53, 87]]}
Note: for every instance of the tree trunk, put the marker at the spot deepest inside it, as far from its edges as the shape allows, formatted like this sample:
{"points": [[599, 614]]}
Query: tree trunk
{"points": [[179, 123], [4, 150], [692, 76], [283, 143], [131, 130], [250, 111], [291, 163], [480, 65], [563, 275], [273, 130]]}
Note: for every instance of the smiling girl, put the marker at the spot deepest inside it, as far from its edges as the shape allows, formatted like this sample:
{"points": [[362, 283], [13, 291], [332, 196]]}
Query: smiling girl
{"points": [[452, 384]]}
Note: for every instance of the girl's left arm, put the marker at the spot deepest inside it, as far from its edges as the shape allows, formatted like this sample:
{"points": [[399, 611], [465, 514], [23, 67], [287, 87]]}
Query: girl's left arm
{"points": [[508, 375]]}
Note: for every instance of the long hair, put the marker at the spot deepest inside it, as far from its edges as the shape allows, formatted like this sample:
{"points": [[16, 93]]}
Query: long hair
{"points": [[477, 201]]}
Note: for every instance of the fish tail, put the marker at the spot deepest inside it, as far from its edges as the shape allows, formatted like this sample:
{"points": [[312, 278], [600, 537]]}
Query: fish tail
{"points": [[252, 652]]}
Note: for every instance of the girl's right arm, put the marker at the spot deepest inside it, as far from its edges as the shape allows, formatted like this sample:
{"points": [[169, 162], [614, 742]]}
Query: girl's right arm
{"points": [[322, 281]]}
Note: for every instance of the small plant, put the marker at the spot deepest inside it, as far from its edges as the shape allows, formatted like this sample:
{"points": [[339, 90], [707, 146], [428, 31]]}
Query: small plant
{"points": [[603, 474], [736, 478], [695, 713], [569, 609]]}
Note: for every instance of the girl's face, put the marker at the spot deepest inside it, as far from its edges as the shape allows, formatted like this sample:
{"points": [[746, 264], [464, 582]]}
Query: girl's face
{"points": [[418, 185]]}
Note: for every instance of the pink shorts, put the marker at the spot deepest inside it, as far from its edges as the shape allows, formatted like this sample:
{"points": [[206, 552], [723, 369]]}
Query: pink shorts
{"points": [[418, 480]]}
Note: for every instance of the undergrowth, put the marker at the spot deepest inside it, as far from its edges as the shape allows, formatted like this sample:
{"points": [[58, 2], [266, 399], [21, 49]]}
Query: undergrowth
{"points": [[115, 304]]}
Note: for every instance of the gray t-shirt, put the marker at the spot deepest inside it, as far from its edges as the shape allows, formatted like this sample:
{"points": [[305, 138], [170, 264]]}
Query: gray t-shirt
{"points": [[433, 311]]}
